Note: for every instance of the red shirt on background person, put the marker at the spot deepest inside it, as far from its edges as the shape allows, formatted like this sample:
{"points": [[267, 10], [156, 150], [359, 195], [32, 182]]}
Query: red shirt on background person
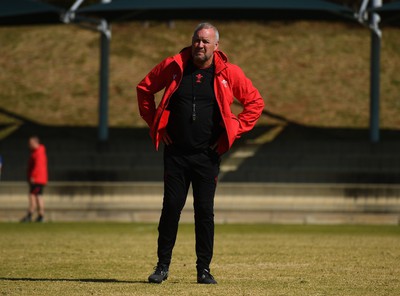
{"points": [[37, 167], [37, 178]]}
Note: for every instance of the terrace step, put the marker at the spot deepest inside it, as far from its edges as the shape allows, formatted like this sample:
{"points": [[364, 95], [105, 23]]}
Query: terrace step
{"points": [[234, 202]]}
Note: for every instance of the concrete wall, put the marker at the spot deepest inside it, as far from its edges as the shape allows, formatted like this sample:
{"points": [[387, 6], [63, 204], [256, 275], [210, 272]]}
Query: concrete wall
{"points": [[234, 203]]}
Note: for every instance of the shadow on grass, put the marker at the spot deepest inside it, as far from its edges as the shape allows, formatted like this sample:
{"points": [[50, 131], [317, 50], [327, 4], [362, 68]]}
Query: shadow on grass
{"points": [[17, 117], [27, 279]]}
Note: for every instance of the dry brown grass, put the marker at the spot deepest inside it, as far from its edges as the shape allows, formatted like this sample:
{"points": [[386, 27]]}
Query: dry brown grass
{"points": [[312, 73], [257, 260]]}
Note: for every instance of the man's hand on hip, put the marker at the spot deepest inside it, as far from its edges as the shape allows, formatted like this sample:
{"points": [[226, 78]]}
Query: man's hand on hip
{"points": [[166, 139]]}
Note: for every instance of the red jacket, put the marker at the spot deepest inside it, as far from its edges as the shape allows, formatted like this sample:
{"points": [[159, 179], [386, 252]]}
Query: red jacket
{"points": [[229, 82], [37, 167]]}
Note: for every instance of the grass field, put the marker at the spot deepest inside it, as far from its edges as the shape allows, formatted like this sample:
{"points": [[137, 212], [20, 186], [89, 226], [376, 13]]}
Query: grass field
{"points": [[116, 259], [312, 73]]}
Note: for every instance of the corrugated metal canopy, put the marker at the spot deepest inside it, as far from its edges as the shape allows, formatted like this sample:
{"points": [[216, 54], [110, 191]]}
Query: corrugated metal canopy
{"points": [[119, 10], [27, 12]]}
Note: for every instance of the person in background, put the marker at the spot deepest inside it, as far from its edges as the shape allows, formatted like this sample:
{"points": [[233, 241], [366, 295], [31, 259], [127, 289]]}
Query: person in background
{"points": [[37, 178], [195, 122]]}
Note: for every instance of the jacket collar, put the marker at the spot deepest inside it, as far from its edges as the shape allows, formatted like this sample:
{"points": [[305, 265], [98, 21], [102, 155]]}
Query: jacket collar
{"points": [[220, 59]]}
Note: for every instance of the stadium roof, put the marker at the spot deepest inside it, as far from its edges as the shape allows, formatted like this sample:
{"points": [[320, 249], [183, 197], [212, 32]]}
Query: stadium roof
{"points": [[120, 10], [28, 12]]}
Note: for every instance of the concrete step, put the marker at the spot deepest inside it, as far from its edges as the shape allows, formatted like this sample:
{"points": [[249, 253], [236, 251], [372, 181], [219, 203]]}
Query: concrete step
{"points": [[235, 202], [305, 175]]}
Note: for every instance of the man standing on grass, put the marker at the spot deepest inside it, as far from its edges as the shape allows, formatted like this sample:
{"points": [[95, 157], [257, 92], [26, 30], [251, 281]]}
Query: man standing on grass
{"points": [[196, 125], [37, 178]]}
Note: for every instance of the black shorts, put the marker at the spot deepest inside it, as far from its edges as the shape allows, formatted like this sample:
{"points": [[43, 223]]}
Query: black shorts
{"points": [[36, 189]]}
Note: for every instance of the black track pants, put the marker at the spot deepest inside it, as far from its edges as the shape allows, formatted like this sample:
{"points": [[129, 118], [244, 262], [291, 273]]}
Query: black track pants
{"points": [[200, 169]]}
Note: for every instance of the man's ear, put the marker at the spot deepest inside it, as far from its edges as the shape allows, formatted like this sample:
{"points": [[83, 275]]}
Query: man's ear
{"points": [[216, 46]]}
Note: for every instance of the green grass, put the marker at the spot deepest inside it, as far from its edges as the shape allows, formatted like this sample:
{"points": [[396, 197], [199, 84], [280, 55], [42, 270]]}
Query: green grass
{"points": [[313, 73], [115, 259]]}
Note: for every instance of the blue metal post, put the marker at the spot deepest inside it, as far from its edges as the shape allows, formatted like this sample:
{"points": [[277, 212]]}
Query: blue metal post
{"points": [[103, 89], [375, 79]]}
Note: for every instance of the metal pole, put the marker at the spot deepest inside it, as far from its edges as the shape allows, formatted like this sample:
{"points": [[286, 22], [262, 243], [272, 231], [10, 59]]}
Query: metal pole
{"points": [[375, 69], [105, 37], [103, 86]]}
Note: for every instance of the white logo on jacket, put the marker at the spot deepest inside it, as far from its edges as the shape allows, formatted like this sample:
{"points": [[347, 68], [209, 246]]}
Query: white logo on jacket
{"points": [[224, 83]]}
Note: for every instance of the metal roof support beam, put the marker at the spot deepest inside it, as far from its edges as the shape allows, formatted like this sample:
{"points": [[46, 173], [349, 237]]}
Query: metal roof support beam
{"points": [[104, 28], [105, 39], [69, 16], [362, 14], [376, 35], [372, 21]]}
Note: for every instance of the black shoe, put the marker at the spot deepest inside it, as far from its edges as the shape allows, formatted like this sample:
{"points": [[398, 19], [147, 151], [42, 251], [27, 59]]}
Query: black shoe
{"points": [[205, 277], [159, 275], [27, 219], [39, 219]]}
